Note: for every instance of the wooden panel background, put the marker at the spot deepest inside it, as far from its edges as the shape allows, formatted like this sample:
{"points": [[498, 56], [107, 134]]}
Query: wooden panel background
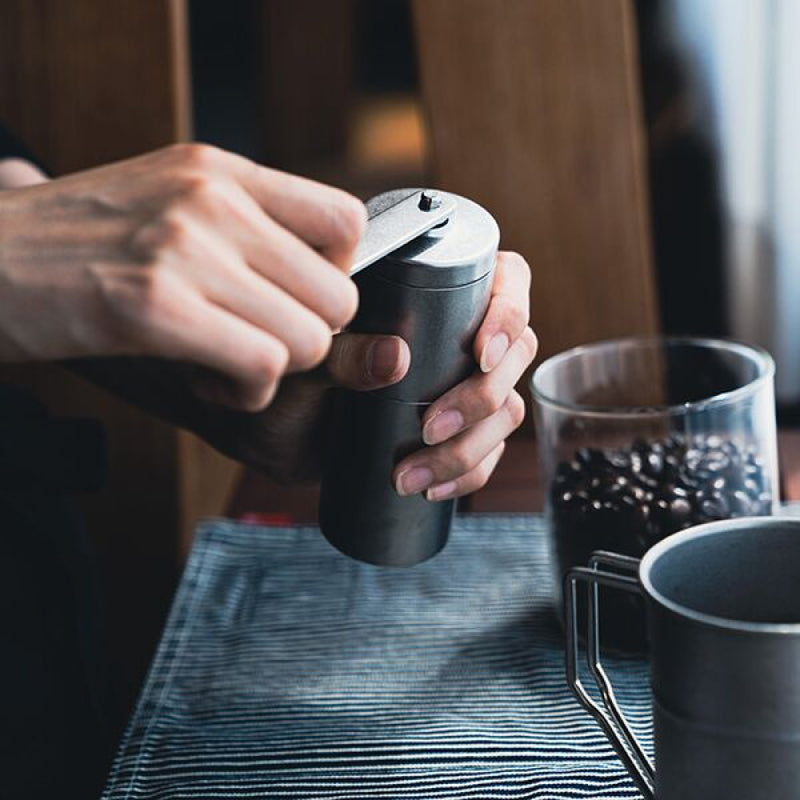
{"points": [[86, 82], [534, 111]]}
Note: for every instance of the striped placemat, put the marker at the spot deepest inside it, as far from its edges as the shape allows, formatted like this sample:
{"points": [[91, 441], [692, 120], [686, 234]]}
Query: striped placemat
{"points": [[289, 671]]}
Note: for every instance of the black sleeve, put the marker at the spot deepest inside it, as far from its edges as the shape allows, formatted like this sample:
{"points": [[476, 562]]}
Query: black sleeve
{"points": [[12, 147]]}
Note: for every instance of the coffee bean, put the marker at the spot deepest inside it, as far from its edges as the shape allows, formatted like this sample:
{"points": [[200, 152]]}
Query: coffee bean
{"points": [[752, 487], [583, 456], [716, 507], [620, 461], [680, 510], [653, 463], [716, 462], [693, 457], [639, 494], [628, 498], [740, 504]]}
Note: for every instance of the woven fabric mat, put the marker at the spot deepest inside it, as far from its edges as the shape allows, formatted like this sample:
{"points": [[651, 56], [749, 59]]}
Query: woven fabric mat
{"points": [[289, 671]]}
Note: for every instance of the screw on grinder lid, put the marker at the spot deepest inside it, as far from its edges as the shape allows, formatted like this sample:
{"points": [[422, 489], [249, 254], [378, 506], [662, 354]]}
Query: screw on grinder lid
{"points": [[458, 247]]}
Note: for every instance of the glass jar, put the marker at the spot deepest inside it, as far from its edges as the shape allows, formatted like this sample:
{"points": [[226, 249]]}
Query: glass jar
{"points": [[640, 438]]}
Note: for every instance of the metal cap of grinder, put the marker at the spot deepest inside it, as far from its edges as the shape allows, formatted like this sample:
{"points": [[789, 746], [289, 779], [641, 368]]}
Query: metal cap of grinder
{"points": [[431, 258]]}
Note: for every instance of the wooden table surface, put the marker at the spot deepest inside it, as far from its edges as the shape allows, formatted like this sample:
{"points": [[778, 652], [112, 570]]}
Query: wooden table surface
{"points": [[515, 486]]}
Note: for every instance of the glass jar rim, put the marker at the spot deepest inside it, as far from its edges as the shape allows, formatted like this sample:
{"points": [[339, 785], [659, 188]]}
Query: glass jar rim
{"points": [[756, 355]]}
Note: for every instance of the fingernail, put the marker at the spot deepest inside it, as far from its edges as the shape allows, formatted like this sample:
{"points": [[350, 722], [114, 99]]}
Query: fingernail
{"points": [[494, 351], [414, 480], [442, 426], [382, 358], [441, 492]]}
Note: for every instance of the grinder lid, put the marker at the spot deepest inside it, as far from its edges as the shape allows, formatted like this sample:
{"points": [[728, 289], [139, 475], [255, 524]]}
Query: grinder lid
{"points": [[460, 251]]}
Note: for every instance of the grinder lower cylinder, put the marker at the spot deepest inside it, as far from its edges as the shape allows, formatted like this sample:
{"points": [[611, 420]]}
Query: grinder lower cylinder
{"points": [[433, 291]]}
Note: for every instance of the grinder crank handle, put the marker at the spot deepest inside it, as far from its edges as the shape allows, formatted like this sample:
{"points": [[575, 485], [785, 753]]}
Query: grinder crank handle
{"points": [[399, 224]]}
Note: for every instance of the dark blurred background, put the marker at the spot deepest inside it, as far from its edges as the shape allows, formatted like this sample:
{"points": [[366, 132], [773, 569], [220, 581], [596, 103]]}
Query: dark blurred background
{"points": [[350, 113], [337, 100]]}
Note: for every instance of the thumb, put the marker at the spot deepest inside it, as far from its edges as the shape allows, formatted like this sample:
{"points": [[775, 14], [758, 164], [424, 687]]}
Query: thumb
{"points": [[364, 361]]}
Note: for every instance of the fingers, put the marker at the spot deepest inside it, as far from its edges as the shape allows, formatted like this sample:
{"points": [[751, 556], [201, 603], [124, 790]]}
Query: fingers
{"points": [[480, 395], [508, 312], [206, 263], [306, 336], [328, 219], [475, 479], [298, 270], [363, 362], [233, 219], [257, 271], [454, 460], [172, 322]]}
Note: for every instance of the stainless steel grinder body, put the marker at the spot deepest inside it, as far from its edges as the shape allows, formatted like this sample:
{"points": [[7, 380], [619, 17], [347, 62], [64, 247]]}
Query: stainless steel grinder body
{"points": [[434, 292]]}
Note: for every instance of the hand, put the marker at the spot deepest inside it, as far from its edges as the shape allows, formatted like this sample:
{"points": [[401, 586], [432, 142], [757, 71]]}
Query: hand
{"points": [[190, 254], [466, 427], [285, 441]]}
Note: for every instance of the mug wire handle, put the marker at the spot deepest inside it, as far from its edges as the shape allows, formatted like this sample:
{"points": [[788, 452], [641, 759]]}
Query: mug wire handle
{"points": [[609, 715]]}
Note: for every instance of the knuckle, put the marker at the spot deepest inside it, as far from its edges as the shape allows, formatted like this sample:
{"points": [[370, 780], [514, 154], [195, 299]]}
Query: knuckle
{"points": [[513, 312], [530, 343], [343, 301], [490, 399], [173, 232], [170, 232], [259, 396], [517, 262], [195, 186], [348, 219], [316, 340], [482, 473], [517, 316], [275, 361], [194, 154], [200, 190], [265, 372], [460, 460], [516, 408]]}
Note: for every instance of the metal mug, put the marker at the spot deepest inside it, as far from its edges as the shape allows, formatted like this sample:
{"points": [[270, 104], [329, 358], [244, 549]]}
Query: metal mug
{"points": [[723, 621]]}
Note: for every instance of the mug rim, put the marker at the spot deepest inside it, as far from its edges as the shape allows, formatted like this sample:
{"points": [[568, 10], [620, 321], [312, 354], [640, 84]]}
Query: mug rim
{"points": [[698, 532]]}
